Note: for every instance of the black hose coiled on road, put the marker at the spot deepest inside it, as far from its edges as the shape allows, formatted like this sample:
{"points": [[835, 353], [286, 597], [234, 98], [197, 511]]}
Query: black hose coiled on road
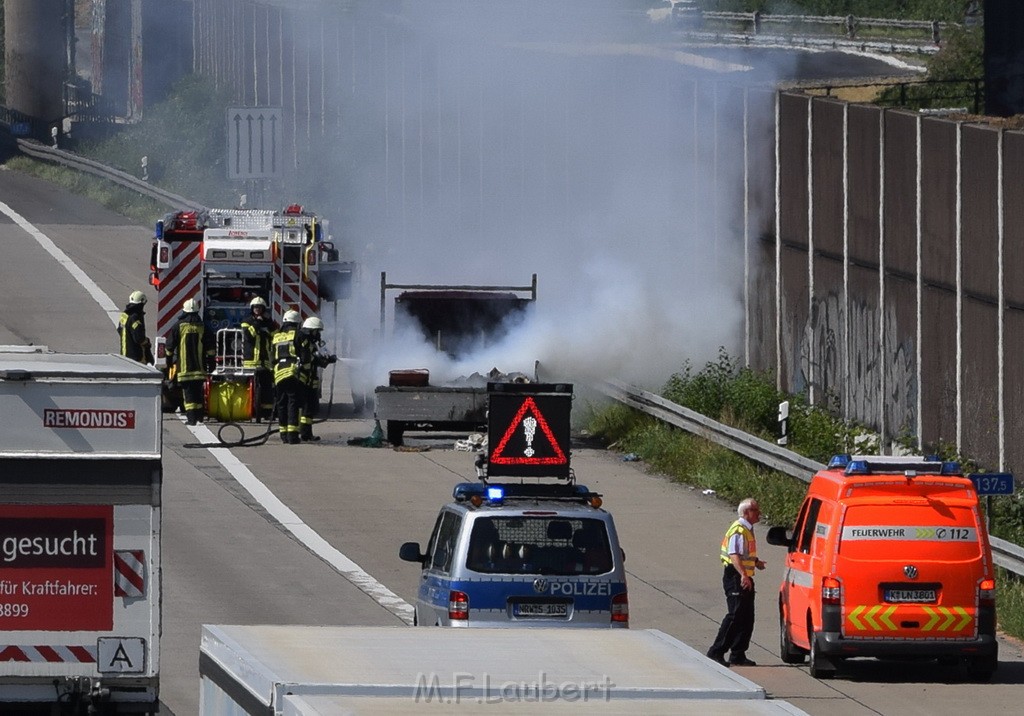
{"points": [[242, 440]]}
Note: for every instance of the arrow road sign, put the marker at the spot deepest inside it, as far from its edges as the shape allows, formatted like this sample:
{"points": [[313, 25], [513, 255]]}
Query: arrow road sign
{"points": [[254, 142]]}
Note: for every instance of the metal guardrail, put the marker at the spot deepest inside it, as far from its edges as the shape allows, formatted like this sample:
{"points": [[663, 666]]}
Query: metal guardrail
{"points": [[41, 151], [1005, 554], [846, 31]]}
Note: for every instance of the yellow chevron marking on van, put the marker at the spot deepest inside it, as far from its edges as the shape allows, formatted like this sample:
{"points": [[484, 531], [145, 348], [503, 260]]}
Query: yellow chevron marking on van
{"points": [[870, 616], [925, 532], [887, 617], [876, 617], [931, 622], [853, 617], [963, 622], [950, 618]]}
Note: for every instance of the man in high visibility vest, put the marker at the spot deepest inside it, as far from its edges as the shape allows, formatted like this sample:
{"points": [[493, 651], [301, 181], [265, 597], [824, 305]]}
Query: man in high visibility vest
{"points": [[190, 351], [739, 560], [284, 354], [132, 329]]}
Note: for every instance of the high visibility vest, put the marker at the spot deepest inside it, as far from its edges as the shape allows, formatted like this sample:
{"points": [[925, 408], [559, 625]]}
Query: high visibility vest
{"points": [[285, 358], [189, 351], [129, 327], [308, 364], [255, 345], [749, 555]]}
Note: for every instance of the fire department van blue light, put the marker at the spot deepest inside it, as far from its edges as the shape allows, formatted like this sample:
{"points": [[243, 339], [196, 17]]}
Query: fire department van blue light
{"points": [[521, 555]]}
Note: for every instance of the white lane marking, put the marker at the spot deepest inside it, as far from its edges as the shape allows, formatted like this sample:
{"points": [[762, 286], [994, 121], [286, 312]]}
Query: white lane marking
{"points": [[267, 499], [302, 532], [108, 306]]}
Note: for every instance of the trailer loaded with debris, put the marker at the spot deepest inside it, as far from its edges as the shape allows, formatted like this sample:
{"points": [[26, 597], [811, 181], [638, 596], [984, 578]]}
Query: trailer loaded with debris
{"points": [[456, 320]]}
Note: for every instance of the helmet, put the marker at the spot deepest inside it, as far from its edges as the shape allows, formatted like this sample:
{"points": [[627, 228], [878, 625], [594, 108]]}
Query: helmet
{"points": [[257, 302], [291, 317], [313, 324], [191, 305], [137, 298]]}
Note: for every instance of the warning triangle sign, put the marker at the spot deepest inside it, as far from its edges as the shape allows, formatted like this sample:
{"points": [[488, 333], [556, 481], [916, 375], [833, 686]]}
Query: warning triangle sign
{"points": [[528, 440]]}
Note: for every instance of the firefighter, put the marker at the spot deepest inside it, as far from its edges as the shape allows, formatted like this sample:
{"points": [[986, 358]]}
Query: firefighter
{"points": [[284, 354], [311, 360], [132, 329], [258, 330], [190, 352]]}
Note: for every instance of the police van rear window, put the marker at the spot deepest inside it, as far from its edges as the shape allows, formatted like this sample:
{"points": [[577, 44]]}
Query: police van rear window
{"points": [[869, 532], [539, 545]]}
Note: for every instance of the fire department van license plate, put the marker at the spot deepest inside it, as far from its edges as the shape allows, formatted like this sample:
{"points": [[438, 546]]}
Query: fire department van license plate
{"points": [[540, 610], [899, 596]]}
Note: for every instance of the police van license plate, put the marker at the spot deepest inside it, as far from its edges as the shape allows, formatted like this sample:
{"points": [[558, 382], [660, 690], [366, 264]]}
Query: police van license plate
{"points": [[900, 596], [526, 609]]}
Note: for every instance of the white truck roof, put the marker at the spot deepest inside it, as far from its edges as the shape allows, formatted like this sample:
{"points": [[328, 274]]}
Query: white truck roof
{"points": [[78, 405], [378, 669]]}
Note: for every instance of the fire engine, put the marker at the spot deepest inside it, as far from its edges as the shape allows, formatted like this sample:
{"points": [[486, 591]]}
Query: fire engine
{"points": [[226, 257]]}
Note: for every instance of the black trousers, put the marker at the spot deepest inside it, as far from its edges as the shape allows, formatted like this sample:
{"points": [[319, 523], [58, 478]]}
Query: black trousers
{"points": [[290, 393], [193, 400], [738, 626], [264, 384]]}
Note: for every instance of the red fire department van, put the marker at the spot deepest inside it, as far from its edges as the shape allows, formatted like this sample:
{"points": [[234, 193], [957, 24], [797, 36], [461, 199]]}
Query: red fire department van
{"points": [[889, 558]]}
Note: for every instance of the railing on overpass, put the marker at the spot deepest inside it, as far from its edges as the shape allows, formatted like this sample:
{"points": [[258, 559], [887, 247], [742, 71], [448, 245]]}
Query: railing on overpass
{"points": [[1005, 554], [847, 31]]}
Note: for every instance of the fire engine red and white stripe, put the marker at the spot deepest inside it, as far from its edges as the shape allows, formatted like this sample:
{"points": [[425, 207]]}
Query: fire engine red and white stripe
{"points": [[296, 292], [181, 281], [269, 501], [51, 654]]}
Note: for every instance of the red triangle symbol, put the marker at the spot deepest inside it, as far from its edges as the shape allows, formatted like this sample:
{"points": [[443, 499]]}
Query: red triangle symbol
{"points": [[557, 459]]}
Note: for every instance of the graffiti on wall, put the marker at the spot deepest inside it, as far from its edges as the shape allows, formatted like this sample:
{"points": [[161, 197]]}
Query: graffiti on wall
{"points": [[854, 390]]}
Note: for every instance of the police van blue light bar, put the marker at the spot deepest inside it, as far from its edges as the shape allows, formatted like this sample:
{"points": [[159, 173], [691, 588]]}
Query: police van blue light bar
{"points": [[160, 229], [495, 493], [464, 490]]}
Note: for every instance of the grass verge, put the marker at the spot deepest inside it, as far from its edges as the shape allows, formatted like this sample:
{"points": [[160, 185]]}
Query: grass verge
{"points": [[692, 460]]}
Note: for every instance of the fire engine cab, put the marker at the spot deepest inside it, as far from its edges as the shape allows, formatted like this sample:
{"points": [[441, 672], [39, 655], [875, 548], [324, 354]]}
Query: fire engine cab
{"points": [[226, 257]]}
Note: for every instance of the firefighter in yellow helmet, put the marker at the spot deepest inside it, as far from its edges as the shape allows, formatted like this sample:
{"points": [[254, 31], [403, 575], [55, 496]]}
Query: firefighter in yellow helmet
{"points": [[258, 330], [132, 330], [284, 355], [190, 350], [311, 360]]}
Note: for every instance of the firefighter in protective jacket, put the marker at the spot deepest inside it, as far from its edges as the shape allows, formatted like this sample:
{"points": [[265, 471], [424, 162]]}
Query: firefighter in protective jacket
{"points": [[190, 352], [311, 360], [287, 380], [258, 330], [132, 330]]}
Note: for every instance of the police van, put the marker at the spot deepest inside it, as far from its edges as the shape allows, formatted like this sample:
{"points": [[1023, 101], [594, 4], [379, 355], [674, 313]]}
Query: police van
{"points": [[521, 555], [889, 558]]}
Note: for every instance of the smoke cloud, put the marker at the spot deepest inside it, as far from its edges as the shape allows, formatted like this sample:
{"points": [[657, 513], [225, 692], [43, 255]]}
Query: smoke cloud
{"points": [[489, 142]]}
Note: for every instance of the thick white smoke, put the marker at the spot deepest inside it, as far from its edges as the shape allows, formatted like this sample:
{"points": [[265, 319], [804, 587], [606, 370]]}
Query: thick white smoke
{"points": [[570, 140]]}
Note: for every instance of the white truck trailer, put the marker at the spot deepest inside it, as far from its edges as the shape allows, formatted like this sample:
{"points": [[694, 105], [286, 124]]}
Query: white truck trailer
{"points": [[80, 483], [308, 670]]}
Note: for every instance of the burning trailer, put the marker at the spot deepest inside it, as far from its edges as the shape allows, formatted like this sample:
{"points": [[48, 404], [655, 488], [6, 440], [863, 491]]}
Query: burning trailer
{"points": [[455, 320]]}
